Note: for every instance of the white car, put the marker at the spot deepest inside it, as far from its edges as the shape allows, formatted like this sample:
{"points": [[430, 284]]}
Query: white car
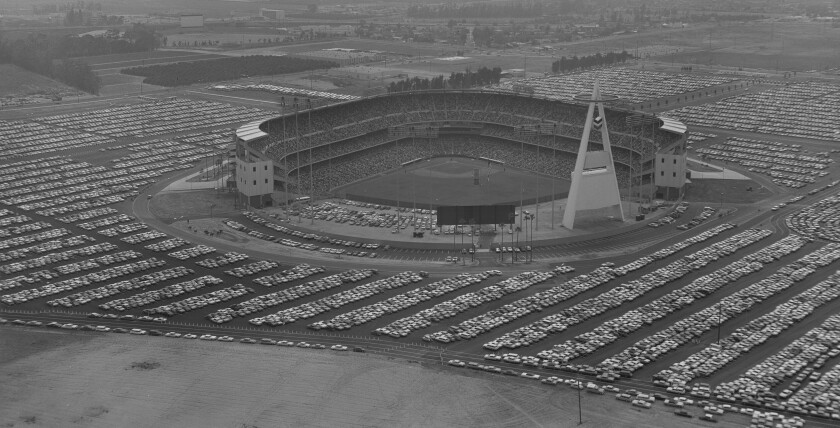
{"points": [[102, 328], [338, 348], [456, 363], [225, 339], [641, 403], [190, 336], [527, 375], [137, 331], [492, 357], [172, 334], [207, 337]]}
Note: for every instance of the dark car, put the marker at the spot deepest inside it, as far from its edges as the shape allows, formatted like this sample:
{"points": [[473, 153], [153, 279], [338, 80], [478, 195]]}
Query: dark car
{"points": [[155, 333], [682, 413], [359, 349]]}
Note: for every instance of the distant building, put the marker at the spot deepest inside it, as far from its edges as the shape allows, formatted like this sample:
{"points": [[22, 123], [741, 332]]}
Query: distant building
{"points": [[192, 21], [342, 56], [273, 14]]}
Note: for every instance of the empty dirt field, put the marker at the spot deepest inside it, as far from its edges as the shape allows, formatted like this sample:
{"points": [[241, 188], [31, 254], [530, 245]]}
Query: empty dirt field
{"points": [[58, 379]]}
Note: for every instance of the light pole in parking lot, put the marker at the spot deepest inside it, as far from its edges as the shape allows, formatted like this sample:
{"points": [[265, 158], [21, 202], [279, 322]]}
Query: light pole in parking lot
{"points": [[311, 161], [580, 407], [553, 159]]}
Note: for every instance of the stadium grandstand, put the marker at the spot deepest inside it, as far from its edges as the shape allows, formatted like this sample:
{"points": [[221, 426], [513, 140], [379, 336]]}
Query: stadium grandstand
{"points": [[313, 152]]}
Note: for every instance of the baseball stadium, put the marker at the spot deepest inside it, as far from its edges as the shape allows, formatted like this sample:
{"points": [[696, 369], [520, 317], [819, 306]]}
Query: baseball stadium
{"points": [[443, 148]]}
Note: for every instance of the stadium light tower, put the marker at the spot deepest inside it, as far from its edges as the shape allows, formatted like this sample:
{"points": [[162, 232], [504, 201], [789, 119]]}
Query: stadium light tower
{"points": [[285, 158], [594, 189], [311, 162]]}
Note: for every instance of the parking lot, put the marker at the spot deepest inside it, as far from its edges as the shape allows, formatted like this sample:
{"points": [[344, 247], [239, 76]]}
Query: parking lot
{"points": [[68, 242]]}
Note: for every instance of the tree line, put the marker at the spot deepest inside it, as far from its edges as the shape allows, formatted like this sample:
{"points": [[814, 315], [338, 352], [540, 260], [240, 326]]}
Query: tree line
{"points": [[217, 70], [53, 55], [40, 54], [564, 65], [506, 10], [467, 79]]}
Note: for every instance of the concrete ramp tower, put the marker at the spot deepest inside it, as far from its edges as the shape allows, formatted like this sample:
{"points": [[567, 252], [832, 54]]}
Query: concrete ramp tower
{"points": [[594, 192]]}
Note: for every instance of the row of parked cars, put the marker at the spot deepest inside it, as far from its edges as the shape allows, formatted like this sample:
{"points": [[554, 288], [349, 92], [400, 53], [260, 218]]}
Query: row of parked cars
{"points": [[141, 237], [324, 239], [192, 252], [402, 301], [756, 332], [174, 334], [223, 260], [265, 301], [143, 120], [538, 301], [122, 229], [102, 222], [118, 287], [681, 403], [23, 138], [337, 300], [799, 361], [35, 237], [51, 190], [437, 313], [252, 268], [166, 245], [375, 216], [196, 302], [794, 110], [693, 326], [635, 86], [623, 325], [792, 170], [168, 292], [301, 271], [43, 247], [81, 281], [296, 244], [819, 220], [52, 258]]}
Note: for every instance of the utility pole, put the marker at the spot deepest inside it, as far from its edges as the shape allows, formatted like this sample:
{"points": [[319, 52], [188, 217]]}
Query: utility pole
{"points": [[580, 407]]}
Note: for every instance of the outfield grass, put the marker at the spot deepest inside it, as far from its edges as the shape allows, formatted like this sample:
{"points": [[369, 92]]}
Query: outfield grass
{"points": [[450, 181]]}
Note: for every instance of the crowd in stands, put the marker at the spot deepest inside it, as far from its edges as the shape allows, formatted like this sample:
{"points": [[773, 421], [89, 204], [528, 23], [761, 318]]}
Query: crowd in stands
{"points": [[364, 163], [406, 114]]}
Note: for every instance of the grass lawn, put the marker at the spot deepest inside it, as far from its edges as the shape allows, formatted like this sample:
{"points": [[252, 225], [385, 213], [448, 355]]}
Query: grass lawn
{"points": [[730, 191], [17, 81]]}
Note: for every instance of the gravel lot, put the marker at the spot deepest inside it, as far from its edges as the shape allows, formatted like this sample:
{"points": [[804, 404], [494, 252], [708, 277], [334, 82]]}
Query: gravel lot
{"points": [[59, 379]]}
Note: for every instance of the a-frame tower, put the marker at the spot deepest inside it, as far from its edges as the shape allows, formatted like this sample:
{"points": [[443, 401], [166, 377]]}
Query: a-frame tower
{"points": [[594, 192]]}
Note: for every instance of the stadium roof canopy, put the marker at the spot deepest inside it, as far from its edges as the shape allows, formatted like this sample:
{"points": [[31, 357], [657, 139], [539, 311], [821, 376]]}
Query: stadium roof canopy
{"points": [[250, 131], [672, 125]]}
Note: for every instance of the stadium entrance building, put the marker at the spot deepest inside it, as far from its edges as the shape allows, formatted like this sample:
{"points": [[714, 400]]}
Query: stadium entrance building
{"points": [[254, 176]]}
